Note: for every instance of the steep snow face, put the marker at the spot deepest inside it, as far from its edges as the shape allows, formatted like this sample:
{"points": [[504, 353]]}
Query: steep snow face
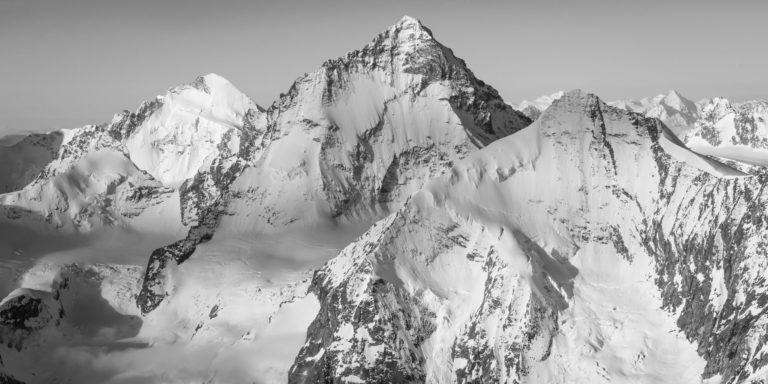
{"points": [[187, 128], [533, 109], [350, 142], [672, 108], [567, 252], [737, 132]]}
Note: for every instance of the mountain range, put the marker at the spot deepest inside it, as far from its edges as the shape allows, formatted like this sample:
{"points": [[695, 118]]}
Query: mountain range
{"points": [[387, 219]]}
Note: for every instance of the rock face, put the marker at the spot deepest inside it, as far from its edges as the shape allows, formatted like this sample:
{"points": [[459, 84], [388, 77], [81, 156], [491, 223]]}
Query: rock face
{"points": [[350, 142], [491, 273]]}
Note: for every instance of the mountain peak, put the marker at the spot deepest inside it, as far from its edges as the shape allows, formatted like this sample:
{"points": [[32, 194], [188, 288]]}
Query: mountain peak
{"points": [[409, 21], [673, 96], [211, 82], [586, 102], [408, 29], [680, 105], [214, 78], [576, 97], [575, 94], [673, 93], [220, 90], [533, 108]]}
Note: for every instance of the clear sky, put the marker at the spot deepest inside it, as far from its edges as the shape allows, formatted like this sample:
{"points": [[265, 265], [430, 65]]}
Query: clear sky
{"points": [[66, 63]]}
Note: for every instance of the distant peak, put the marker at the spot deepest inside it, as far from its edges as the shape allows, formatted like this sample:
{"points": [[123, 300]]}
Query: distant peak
{"points": [[548, 99], [573, 94], [588, 101], [675, 95], [716, 103], [539, 104]]}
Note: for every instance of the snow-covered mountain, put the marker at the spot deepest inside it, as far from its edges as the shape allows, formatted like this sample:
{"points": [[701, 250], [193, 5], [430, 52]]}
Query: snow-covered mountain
{"points": [[715, 127], [388, 219], [677, 112], [672, 108], [590, 247], [351, 142], [344, 147], [95, 176], [533, 109]]}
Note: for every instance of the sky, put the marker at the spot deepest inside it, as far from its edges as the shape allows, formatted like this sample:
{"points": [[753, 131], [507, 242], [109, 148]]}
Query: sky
{"points": [[67, 63]]}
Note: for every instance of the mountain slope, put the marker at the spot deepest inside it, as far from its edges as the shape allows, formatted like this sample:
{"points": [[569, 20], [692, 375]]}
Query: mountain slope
{"points": [[351, 142], [567, 252]]}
